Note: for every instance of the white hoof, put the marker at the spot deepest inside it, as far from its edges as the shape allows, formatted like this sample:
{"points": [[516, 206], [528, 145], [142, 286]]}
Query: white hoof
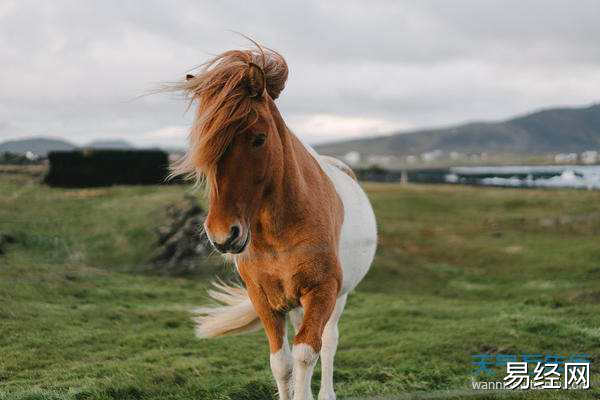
{"points": [[329, 395]]}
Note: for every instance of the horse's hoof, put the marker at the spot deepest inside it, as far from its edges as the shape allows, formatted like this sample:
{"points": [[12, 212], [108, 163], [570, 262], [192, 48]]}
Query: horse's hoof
{"points": [[326, 396]]}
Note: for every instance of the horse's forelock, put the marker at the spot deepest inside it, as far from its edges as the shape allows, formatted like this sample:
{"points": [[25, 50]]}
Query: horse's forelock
{"points": [[224, 106]]}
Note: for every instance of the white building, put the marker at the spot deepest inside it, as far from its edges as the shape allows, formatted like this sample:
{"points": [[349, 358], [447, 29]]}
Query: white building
{"points": [[589, 157], [31, 156], [432, 155], [352, 158], [381, 160], [562, 158]]}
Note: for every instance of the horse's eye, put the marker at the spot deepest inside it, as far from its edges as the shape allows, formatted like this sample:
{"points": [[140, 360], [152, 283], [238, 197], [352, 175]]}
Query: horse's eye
{"points": [[259, 140]]}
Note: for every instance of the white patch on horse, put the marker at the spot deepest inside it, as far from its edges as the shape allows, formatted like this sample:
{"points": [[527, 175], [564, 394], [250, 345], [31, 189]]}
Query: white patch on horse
{"points": [[305, 359], [328, 349], [281, 367], [358, 239]]}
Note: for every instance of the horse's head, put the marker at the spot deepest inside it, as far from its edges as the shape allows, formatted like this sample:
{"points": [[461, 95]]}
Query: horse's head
{"points": [[242, 176], [235, 143]]}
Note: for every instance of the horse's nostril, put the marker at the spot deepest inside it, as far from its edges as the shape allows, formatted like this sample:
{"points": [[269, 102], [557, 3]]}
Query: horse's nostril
{"points": [[235, 232], [230, 243]]}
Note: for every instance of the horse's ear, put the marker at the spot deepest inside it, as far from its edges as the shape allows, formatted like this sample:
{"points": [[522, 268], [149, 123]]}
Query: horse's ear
{"points": [[188, 77], [256, 81]]}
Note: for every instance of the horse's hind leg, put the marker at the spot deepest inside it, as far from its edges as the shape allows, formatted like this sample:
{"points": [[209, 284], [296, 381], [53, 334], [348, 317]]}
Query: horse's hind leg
{"points": [[328, 348], [296, 316]]}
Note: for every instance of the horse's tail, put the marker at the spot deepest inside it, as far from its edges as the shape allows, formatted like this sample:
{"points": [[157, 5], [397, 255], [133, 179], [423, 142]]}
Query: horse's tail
{"points": [[235, 315]]}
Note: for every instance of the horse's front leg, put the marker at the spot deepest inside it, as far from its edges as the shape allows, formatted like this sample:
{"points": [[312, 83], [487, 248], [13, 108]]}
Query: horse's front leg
{"points": [[281, 367], [280, 359], [318, 304]]}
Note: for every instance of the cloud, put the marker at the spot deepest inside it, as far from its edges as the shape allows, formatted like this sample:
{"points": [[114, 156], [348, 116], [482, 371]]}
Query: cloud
{"points": [[75, 69], [327, 127], [170, 136]]}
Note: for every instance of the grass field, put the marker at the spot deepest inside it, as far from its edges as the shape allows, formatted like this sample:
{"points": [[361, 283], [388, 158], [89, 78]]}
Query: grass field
{"points": [[459, 271]]}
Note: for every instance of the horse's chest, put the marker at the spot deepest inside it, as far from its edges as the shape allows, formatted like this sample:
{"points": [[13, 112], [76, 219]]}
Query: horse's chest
{"points": [[280, 294]]}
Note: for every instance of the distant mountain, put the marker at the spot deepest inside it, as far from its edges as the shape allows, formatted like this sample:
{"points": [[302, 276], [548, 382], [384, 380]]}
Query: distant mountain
{"points": [[38, 145], [110, 144], [548, 131]]}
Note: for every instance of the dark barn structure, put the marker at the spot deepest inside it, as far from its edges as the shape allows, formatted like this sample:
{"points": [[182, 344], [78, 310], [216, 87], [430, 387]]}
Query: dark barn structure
{"points": [[92, 168]]}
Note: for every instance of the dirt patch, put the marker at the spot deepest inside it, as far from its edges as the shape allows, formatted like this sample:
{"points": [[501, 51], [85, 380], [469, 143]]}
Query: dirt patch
{"points": [[36, 171], [515, 249], [588, 297], [86, 193]]}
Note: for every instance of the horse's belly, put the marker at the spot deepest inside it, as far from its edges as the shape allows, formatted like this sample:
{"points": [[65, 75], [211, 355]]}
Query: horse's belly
{"points": [[358, 239]]}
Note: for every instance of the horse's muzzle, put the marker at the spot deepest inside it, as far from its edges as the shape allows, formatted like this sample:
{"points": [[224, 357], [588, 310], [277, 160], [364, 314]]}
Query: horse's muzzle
{"points": [[235, 243]]}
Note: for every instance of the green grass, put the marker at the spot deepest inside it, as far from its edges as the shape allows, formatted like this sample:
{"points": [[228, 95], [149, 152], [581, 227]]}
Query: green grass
{"points": [[459, 271]]}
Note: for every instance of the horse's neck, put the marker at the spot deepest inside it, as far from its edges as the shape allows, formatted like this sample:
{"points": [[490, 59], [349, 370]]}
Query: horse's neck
{"points": [[298, 178], [301, 178]]}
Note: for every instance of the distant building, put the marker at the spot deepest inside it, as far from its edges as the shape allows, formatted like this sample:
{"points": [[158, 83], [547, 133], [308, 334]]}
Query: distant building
{"points": [[411, 159], [455, 156], [352, 158], [432, 155], [562, 158], [31, 156], [381, 160], [589, 157]]}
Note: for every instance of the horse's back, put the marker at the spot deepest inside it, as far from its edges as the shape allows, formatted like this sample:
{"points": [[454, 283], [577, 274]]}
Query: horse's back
{"points": [[340, 165], [358, 239]]}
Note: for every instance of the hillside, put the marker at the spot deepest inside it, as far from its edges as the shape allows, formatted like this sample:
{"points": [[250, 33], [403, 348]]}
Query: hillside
{"points": [[37, 145], [110, 144], [552, 130]]}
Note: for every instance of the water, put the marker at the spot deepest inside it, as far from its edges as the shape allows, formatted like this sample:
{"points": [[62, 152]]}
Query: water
{"points": [[557, 176]]}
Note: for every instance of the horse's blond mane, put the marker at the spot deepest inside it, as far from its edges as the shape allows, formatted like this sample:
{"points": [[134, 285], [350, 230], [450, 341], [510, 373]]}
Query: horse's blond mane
{"points": [[225, 106]]}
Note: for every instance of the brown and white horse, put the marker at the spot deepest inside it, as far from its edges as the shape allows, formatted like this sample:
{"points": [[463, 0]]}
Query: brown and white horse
{"points": [[298, 226]]}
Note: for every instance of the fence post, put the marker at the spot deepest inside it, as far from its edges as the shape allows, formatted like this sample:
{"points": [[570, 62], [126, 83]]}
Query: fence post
{"points": [[404, 177]]}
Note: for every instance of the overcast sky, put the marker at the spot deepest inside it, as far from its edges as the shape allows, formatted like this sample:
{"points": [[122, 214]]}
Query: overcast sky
{"points": [[74, 69]]}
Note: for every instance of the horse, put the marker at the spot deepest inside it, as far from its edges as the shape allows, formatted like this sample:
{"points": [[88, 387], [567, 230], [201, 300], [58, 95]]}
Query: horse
{"points": [[297, 225]]}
